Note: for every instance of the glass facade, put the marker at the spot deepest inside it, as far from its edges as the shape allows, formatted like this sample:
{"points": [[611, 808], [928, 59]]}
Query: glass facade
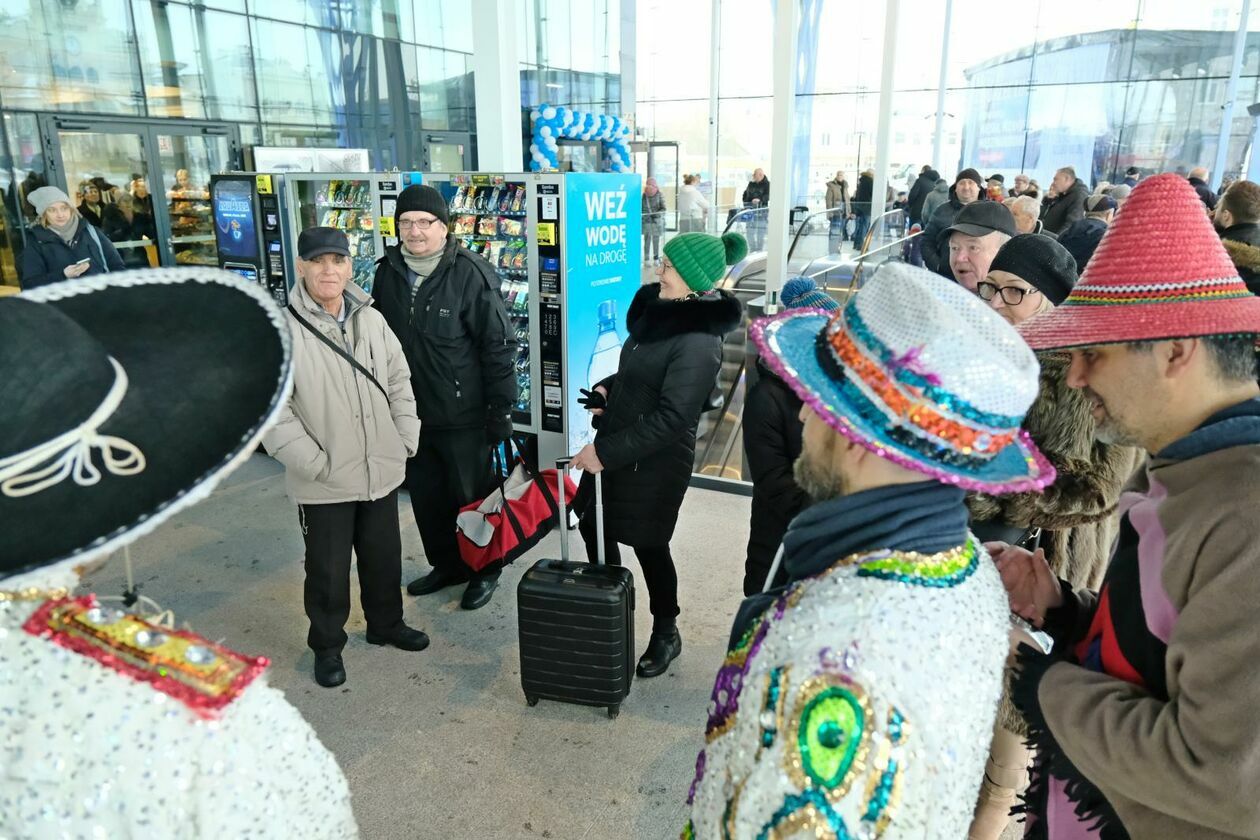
{"points": [[1029, 87], [374, 74]]}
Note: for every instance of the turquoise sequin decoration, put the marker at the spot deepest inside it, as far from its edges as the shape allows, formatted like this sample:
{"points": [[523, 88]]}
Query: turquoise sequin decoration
{"points": [[793, 804], [937, 394], [770, 711], [950, 570]]}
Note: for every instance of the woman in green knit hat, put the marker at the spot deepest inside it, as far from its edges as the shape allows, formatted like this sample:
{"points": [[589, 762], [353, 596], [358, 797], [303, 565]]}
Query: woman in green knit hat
{"points": [[647, 415]]}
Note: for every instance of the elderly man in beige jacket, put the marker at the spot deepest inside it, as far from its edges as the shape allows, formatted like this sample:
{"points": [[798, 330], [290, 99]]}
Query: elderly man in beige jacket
{"points": [[344, 439]]}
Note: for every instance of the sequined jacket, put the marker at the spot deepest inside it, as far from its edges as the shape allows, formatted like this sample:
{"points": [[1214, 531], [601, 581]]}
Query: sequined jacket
{"points": [[87, 750], [861, 703]]}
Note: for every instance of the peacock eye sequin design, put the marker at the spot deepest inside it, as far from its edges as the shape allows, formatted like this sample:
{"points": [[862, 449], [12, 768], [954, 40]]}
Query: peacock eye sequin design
{"points": [[831, 724]]}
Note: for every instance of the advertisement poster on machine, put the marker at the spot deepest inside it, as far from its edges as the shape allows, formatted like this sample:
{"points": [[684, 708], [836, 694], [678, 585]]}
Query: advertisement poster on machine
{"points": [[603, 249]]}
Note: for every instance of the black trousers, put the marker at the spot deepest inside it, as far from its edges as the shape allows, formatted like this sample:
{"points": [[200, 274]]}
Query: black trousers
{"points": [[331, 531], [659, 573], [450, 469]]}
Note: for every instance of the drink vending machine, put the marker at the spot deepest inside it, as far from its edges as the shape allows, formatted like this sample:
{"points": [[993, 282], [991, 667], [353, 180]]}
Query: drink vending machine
{"points": [[567, 248], [258, 217]]}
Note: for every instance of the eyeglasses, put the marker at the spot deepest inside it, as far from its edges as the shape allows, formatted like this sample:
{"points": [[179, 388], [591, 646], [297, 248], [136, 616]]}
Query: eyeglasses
{"points": [[1011, 295], [416, 224]]}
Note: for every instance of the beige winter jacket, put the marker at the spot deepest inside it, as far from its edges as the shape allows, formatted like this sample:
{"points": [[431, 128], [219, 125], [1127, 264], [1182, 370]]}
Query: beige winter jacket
{"points": [[339, 439]]}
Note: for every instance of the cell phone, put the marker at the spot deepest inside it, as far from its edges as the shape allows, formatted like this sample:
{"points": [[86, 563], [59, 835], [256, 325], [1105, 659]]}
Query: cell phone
{"points": [[84, 260]]}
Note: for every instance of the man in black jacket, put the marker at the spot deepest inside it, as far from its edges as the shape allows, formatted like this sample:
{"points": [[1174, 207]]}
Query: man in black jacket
{"points": [[1068, 204], [443, 303], [757, 197], [1238, 223], [924, 184], [1198, 180]]}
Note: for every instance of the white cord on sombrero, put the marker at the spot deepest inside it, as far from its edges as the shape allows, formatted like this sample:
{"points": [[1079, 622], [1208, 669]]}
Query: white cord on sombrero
{"points": [[70, 453]]}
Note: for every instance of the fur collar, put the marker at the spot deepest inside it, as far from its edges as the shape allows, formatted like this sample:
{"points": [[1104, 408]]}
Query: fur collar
{"points": [[653, 319], [1244, 255]]}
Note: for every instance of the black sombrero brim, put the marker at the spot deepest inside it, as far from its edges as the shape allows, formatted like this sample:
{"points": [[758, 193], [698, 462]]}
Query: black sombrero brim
{"points": [[208, 359]]}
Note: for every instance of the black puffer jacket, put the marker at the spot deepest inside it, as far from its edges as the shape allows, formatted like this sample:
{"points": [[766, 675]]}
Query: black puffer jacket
{"points": [[935, 248], [647, 435], [46, 257], [919, 191], [1059, 212], [457, 337], [1081, 240], [772, 443]]}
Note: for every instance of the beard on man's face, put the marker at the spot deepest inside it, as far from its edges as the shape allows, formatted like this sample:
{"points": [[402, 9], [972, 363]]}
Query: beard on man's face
{"points": [[815, 474]]}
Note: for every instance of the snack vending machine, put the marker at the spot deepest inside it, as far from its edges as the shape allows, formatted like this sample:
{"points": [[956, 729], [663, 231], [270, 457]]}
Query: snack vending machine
{"points": [[567, 250], [258, 217], [249, 231], [360, 204]]}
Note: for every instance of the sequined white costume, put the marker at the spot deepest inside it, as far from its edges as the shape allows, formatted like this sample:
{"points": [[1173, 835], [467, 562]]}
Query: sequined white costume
{"points": [[861, 705], [87, 751]]}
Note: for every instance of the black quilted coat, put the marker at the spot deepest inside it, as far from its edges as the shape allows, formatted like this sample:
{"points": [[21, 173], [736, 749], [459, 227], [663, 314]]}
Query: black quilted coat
{"points": [[647, 435]]}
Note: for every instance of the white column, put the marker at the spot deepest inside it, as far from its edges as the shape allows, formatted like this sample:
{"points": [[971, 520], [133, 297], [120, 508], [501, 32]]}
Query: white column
{"points": [[1231, 94], [783, 58], [497, 86], [717, 219], [883, 131], [629, 56], [938, 136]]}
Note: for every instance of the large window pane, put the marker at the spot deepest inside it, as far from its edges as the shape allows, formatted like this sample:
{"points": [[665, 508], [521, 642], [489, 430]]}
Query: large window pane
{"points": [[446, 24], [68, 57], [23, 172], [445, 92], [747, 48], [672, 62], [197, 63]]}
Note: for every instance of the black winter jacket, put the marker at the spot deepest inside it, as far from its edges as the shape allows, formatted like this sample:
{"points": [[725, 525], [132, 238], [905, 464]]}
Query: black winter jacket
{"points": [[862, 195], [457, 337], [758, 189], [1205, 192], [1059, 212], [46, 257], [1242, 242], [923, 185], [772, 443], [935, 248], [647, 434], [1081, 239]]}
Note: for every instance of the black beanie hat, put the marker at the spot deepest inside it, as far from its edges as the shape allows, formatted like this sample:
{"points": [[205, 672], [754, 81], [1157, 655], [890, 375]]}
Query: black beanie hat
{"points": [[1039, 261], [970, 175], [424, 198]]}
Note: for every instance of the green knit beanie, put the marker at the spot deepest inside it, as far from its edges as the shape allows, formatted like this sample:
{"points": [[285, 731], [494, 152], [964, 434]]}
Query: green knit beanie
{"points": [[701, 260]]}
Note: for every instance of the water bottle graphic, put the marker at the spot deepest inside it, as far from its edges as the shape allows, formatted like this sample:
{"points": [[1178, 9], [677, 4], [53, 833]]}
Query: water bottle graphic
{"points": [[604, 356]]}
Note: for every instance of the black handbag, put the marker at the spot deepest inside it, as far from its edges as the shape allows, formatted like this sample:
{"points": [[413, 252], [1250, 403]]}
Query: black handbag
{"points": [[340, 351]]}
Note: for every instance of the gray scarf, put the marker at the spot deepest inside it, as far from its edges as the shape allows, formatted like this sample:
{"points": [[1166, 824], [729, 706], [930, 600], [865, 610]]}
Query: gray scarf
{"points": [[422, 266], [68, 230]]}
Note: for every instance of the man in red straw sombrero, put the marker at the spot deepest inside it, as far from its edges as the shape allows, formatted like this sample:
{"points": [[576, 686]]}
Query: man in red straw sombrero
{"points": [[1146, 716]]}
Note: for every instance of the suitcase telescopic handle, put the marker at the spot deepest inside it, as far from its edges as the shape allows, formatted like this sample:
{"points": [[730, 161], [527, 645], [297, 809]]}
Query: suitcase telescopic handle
{"points": [[562, 468]]}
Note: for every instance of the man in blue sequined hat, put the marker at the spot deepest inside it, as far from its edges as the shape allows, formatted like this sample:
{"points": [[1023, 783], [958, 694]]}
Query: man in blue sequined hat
{"points": [[858, 700]]}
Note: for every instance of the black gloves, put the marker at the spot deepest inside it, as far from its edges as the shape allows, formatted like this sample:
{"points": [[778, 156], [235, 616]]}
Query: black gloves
{"points": [[592, 399], [498, 427]]}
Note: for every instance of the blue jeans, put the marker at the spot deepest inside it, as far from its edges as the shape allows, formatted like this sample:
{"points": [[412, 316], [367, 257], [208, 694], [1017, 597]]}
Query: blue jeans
{"points": [[861, 225]]}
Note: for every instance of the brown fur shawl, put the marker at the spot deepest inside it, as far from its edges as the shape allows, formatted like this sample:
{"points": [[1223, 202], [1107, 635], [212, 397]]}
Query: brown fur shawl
{"points": [[1077, 511]]}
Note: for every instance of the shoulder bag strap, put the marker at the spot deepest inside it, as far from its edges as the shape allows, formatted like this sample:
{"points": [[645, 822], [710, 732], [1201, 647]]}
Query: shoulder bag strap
{"points": [[340, 351], [91, 229]]}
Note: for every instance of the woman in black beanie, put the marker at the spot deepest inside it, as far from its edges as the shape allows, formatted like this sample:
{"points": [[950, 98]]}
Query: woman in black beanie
{"points": [[1071, 519]]}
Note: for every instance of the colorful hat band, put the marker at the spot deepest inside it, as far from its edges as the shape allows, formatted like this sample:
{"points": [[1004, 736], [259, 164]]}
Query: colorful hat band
{"points": [[1145, 293], [902, 410]]}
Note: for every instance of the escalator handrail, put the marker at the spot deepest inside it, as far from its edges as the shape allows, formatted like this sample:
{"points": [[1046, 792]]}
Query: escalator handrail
{"points": [[748, 211], [804, 222], [726, 402]]}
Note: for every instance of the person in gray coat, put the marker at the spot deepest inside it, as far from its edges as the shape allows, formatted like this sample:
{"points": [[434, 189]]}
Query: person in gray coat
{"points": [[344, 439], [653, 221]]}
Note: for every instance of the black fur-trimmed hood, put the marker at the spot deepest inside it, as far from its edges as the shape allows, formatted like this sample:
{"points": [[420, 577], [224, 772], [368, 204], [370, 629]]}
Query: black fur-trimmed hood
{"points": [[653, 319]]}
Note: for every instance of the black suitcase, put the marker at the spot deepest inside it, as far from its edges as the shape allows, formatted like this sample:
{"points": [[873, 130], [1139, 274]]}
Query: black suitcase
{"points": [[576, 623]]}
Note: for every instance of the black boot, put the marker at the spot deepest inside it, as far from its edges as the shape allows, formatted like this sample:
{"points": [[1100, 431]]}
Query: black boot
{"points": [[401, 637], [478, 593], [439, 578], [663, 648], [329, 670]]}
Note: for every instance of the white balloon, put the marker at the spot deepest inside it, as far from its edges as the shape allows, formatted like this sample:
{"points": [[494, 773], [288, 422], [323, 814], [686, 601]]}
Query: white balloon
{"points": [[533, 148], [549, 113], [549, 142], [533, 115], [566, 118], [544, 131]]}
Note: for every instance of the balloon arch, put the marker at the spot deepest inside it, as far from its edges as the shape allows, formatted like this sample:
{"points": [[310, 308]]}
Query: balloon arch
{"points": [[551, 123]]}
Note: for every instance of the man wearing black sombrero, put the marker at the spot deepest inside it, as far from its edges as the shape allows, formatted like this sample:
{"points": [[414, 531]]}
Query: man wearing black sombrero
{"points": [[113, 725]]}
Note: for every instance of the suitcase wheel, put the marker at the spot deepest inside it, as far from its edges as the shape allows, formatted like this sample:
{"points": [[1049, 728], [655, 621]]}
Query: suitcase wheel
{"points": [[530, 700], [614, 711]]}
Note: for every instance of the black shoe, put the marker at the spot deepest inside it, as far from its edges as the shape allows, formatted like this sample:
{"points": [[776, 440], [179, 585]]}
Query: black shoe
{"points": [[330, 672], [663, 648], [403, 638], [435, 580], [478, 593]]}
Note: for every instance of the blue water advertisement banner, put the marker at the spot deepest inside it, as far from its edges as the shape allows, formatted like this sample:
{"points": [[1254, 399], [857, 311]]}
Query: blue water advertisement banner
{"points": [[234, 219], [603, 252]]}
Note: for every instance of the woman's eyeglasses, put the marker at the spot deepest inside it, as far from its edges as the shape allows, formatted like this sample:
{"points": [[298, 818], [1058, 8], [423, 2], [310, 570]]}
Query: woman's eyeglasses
{"points": [[1011, 295]]}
